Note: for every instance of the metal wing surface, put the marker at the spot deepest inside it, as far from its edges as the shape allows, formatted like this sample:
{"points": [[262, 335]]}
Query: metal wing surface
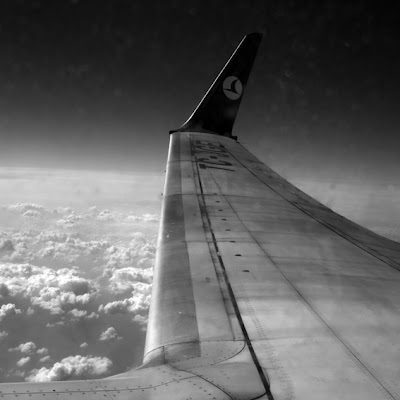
{"points": [[246, 258], [260, 292]]}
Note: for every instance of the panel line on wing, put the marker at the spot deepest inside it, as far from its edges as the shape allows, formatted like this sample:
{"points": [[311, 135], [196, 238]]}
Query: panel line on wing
{"points": [[260, 370], [376, 254]]}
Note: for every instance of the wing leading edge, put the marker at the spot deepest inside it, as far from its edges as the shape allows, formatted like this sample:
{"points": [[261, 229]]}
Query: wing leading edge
{"points": [[259, 290]]}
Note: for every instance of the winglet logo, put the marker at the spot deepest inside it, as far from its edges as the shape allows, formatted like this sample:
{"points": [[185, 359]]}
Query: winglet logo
{"points": [[232, 87]]}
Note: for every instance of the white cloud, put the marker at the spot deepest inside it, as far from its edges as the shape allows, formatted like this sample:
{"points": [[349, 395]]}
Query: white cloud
{"points": [[109, 334], [27, 348], [75, 367], [7, 310], [43, 351], [47, 288], [106, 215], [139, 253], [64, 265], [78, 315], [55, 300], [22, 208], [139, 302], [69, 220], [3, 335], [130, 278], [151, 217], [142, 320], [32, 214], [144, 218], [23, 361]]}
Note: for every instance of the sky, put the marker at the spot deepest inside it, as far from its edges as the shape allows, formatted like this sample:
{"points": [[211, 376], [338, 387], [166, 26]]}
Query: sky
{"points": [[98, 84], [88, 92]]}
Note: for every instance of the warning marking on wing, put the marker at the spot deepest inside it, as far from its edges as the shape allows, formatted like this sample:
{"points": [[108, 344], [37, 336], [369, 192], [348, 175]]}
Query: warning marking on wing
{"points": [[213, 160]]}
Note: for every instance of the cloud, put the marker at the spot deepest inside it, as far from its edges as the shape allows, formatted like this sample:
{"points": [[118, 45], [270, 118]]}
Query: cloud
{"points": [[43, 351], [23, 361], [27, 348], [109, 334], [144, 217], [69, 220], [130, 278], [106, 215], [79, 315], [32, 214], [139, 302], [151, 217], [47, 288], [72, 367], [68, 270], [7, 310], [3, 335], [24, 208], [139, 253], [142, 320]]}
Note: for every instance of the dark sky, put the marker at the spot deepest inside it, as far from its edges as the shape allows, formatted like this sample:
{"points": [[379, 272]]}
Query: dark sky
{"points": [[98, 84]]}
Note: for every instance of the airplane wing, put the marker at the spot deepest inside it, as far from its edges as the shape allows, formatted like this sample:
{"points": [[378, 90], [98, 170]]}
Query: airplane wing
{"points": [[259, 290]]}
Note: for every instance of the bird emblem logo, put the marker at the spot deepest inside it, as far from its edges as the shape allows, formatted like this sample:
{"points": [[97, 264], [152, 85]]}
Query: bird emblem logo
{"points": [[232, 87]]}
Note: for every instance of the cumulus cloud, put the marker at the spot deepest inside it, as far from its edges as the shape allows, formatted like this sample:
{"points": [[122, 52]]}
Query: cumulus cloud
{"points": [[109, 334], [45, 287], [43, 351], [129, 278], [139, 302], [7, 310], [27, 348], [66, 269], [139, 253], [69, 220], [26, 208], [106, 215], [23, 361], [32, 214], [79, 315], [144, 217], [142, 320], [75, 367]]}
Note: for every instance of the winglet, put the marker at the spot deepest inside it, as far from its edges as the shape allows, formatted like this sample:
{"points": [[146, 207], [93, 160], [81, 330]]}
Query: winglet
{"points": [[217, 111]]}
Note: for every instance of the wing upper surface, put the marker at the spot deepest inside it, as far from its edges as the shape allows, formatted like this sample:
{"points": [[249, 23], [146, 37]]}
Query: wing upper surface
{"points": [[314, 296]]}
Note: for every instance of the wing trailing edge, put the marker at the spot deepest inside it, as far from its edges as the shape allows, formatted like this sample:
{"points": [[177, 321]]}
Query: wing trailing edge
{"points": [[216, 113]]}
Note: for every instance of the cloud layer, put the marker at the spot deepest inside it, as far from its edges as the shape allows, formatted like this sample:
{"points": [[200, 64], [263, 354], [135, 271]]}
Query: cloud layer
{"points": [[69, 276]]}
